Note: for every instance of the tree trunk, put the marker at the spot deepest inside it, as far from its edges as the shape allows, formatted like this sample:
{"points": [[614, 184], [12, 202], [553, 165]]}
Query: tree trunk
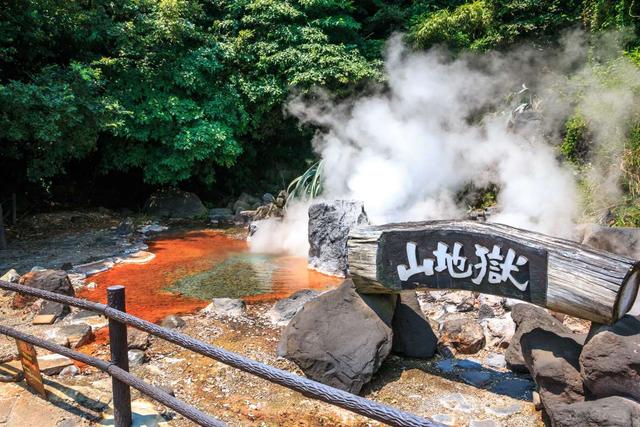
{"points": [[491, 258]]}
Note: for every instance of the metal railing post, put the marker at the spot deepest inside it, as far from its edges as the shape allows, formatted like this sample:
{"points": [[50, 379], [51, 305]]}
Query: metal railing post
{"points": [[119, 357]]}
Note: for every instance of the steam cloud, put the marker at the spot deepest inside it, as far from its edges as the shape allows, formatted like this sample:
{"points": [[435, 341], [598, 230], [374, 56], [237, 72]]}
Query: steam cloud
{"points": [[437, 128]]}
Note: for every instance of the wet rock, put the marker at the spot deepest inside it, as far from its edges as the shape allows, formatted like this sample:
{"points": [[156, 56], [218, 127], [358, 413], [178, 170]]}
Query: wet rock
{"points": [[553, 361], [464, 334], [174, 203], [476, 378], [329, 226], [517, 388], [136, 357], [55, 281], [284, 310], [152, 228], [172, 322], [137, 339], [528, 317], [72, 336], [610, 360], [608, 412], [126, 227], [412, 334], [228, 307], [620, 240], [341, 337]]}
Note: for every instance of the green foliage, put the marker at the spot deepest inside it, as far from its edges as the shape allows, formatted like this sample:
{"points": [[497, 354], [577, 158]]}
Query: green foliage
{"points": [[308, 185], [575, 142]]}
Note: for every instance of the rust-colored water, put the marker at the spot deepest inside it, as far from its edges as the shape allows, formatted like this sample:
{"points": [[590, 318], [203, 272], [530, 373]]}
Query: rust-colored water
{"points": [[186, 254]]}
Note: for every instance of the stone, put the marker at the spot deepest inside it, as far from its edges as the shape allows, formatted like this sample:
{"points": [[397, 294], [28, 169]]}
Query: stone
{"points": [[464, 334], [412, 333], [136, 357], [612, 411], [268, 198], [466, 305], [457, 402], [138, 257], [91, 318], [528, 317], [504, 411], [485, 312], [172, 321], [95, 267], [496, 361], [73, 336], [610, 360], [137, 339], [285, 309], [175, 203], [10, 374], [329, 226], [126, 227], [246, 202], [476, 378], [44, 319], [281, 199], [483, 423], [226, 307], [55, 281], [152, 228], [341, 337], [619, 240], [11, 276], [445, 419], [221, 216], [69, 371], [499, 330], [53, 364], [553, 362], [53, 309]]}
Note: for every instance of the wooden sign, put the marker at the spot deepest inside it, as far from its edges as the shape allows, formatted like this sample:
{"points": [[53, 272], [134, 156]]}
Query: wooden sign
{"points": [[442, 259], [29, 360], [558, 274]]}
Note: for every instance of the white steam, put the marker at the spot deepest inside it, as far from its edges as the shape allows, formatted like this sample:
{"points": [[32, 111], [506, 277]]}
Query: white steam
{"points": [[408, 150]]}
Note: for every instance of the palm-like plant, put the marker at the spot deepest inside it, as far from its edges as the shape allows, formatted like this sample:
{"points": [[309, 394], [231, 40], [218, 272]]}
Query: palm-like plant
{"points": [[308, 185]]}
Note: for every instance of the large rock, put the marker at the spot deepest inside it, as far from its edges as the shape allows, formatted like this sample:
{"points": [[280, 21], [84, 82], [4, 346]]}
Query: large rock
{"points": [[55, 281], [329, 226], [619, 240], [607, 412], [341, 338], [610, 360], [174, 203], [463, 333], [552, 360], [527, 318], [73, 336], [412, 334], [225, 307]]}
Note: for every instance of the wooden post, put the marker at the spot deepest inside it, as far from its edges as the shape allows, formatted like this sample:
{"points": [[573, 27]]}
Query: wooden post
{"points": [[14, 209], [558, 274], [3, 239], [119, 357]]}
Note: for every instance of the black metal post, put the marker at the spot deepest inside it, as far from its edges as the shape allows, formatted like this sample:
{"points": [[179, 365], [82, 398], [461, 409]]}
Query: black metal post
{"points": [[119, 357]]}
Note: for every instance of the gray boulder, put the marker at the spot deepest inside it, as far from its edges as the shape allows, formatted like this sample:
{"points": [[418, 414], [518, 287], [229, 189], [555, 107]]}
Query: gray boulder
{"points": [[285, 309], [329, 226], [55, 281], [341, 337], [73, 336], [528, 317], [620, 240], [552, 361], [174, 203], [172, 322], [607, 412], [412, 334], [610, 360], [221, 216]]}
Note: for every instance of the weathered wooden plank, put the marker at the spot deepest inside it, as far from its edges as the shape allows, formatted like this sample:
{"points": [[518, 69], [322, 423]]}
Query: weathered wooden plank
{"points": [[492, 258]]}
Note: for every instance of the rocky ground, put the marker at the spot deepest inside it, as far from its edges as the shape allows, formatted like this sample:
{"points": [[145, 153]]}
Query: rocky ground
{"points": [[476, 390]]}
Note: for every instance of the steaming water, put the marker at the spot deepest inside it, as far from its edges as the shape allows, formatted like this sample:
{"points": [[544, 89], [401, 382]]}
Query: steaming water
{"points": [[192, 268]]}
